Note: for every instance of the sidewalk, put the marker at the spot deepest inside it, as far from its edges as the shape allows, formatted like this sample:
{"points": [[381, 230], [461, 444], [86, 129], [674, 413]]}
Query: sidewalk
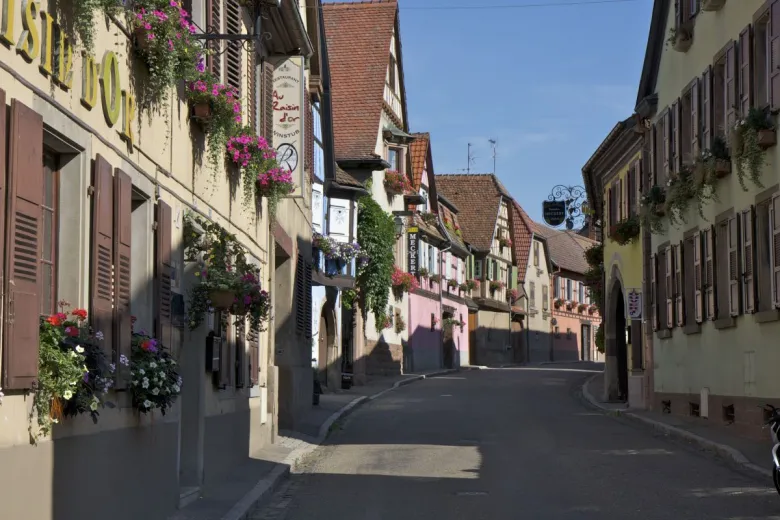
{"points": [[238, 494], [750, 454]]}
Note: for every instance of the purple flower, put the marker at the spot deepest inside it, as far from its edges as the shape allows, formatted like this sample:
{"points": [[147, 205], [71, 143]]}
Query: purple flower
{"points": [[201, 66]]}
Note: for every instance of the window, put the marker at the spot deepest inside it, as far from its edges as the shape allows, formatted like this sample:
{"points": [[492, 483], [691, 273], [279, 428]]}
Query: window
{"points": [[391, 73], [568, 333], [569, 290], [727, 296], [433, 322], [767, 258], [556, 287], [318, 159], [761, 57], [394, 158], [532, 296], [557, 332], [536, 253], [49, 211], [478, 268], [661, 150], [581, 290], [686, 129], [708, 274], [545, 298], [693, 7], [424, 193], [724, 92]]}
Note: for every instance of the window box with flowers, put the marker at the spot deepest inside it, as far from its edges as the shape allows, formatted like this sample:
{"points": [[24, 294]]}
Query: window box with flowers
{"points": [[512, 295], [558, 303], [581, 308], [448, 323], [569, 305], [714, 163], [496, 285], [504, 242], [162, 31], [423, 273], [384, 322], [156, 383], [435, 278], [750, 138], [400, 324], [261, 174], [682, 190], [681, 37], [403, 282], [625, 231], [472, 284], [452, 284], [396, 182], [464, 287], [74, 373], [429, 218], [217, 109], [653, 204], [340, 253], [592, 308]]}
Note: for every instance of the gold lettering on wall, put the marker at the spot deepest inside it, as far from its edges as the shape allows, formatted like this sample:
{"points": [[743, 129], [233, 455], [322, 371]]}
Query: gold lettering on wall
{"points": [[47, 40], [109, 85], [7, 22], [89, 81], [28, 45], [65, 64], [128, 114]]}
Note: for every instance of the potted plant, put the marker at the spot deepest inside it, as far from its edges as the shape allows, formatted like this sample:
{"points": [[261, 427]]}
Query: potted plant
{"points": [[452, 284], [435, 278], [403, 282], [217, 109], [252, 302], [156, 383], [504, 242], [558, 303], [262, 176], [472, 284], [422, 273], [429, 218], [652, 206], [626, 230], [512, 295], [396, 182], [592, 308], [400, 324], [581, 308], [464, 287], [496, 285], [682, 189], [680, 37], [569, 305], [750, 138]]}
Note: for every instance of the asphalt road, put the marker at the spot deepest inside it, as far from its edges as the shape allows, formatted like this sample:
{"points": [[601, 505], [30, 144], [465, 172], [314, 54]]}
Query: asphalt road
{"points": [[510, 444]]}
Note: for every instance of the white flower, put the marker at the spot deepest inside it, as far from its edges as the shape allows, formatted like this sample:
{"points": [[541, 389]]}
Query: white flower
{"points": [[124, 361], [176, 388], [147, 404], [93, 405], [112, 366], [67, 395], [73, 354], [173, 362], [55, 421], [135, 382], [142, 371], [79, 349], [161, 375], [156, 391], [145, 384], [99, 335], [152, 365]]}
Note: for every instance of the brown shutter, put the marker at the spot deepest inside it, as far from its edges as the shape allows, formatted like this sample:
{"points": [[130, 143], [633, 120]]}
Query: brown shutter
{"points": [[679, 296], [654, 291], [706, 109], [308, 298], [123, 200], [676, 136], [308, 122], [268, 101], [748, 259], [679, 12], [252, 101], [620, 200], [162, 273], [102, 279], [733, 264], [667, 144], [3, 267], [731, 87], [254, 356], [235, 50], [241, 354], [774, 54], [631, 186], [745, 70], [698, 303], [669, 279], [694, 118], [300, 295], [712, 278], [653, 156], [214, 24], [225, 359], [775, 243], [610, 217], [23, 247]]}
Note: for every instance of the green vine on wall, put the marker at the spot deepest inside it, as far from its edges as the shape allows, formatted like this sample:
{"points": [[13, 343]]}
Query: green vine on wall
{"points": [[376, 236], [594, 276]]}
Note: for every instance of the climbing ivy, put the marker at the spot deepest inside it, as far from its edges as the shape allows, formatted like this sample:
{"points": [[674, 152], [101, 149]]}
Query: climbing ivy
{"points": [[376, 236]]}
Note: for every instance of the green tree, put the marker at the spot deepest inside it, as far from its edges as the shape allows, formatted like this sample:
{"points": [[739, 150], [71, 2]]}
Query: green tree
{"points": [[376, 236]]}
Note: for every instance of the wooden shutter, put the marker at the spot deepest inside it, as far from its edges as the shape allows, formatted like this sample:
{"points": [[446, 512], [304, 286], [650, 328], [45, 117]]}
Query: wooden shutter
{"points": [[669, 284], [123, 200], [610, 217], [698, 302], [213, 352], [235, 50], [253, 338], [706, 109], [731, 87], [679, 296], [102, 280], [23, 247], [745, 56], [676, 136], [163, 270], [775, 248], [653, 156], [3, 267], [711, 264], [666, 144], [308, 298], [654, 291], [749, 288], [253, 78], [241, 354], [268, 101], [733, 265], [214, 23], [621, 200], [694, 118], [300, 295], [774, 54], [225, 359], [680, 13]]}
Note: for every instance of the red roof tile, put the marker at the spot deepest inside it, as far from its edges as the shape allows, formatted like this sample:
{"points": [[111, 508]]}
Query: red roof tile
{"points": [[521, 238], [477, 197], [358, 36], [418, 151]]}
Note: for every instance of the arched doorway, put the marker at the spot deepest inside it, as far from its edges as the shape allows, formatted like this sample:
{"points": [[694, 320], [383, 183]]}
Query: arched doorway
{"points": [[328, 370], [618, 339]]}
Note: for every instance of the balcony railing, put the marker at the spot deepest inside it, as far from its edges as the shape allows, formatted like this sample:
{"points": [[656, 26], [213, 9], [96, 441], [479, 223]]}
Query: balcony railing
{"points": [[394, 102]]}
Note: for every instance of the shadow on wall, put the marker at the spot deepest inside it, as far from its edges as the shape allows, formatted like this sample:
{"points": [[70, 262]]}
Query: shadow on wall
{"points": [[424, 350]]}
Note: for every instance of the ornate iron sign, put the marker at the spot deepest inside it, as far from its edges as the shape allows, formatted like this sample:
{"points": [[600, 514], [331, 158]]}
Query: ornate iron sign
{"points": [[565, 205]]}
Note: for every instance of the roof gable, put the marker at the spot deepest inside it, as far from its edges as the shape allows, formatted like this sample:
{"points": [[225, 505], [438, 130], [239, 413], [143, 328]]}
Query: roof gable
{"points": [[521, 239], [359, 35], [418, 154], [566, 248]]}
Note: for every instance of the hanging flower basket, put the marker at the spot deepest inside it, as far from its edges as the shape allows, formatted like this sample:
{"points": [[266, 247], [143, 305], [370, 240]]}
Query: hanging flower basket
{"points": [[558, 303], [222, 298], [156, 381], [625, 231], [750, 138], [435, 278], [581, 308], [141, 39], [396, 182], [217, 109], [422, 272]]}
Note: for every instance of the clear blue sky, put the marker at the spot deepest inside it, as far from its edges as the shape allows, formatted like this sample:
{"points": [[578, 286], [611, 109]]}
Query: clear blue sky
{"points": [[547, 83]]}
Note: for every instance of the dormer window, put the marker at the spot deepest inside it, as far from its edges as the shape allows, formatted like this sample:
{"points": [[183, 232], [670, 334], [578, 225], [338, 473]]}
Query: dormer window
{"points": [[394, 158]]}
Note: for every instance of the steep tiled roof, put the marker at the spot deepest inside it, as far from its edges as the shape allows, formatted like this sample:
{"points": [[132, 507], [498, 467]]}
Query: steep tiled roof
{"points": [[521, 238], [418, 221], [346, 179], [418, 150], [358, 36], [567, 248], [452, 217], [477, 197]]}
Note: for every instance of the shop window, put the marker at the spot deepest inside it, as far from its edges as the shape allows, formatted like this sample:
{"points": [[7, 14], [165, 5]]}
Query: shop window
{"points": [[49, 216]]}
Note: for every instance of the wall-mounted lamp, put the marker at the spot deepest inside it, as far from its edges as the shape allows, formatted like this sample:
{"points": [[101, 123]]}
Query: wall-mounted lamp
{"points": [[399, 226]]}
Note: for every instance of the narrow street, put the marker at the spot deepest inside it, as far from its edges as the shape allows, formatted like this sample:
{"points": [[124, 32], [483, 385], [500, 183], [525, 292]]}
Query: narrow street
{"points": [[507, 444]]}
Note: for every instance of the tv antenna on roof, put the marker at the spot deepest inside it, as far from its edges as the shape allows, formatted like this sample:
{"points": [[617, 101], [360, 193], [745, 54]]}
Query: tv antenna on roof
{"points": [[493, 144], [469, 161]]}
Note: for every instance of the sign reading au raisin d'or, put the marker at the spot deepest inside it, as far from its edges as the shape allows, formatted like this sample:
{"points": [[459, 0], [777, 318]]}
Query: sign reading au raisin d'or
{"points": [[36, 37]]}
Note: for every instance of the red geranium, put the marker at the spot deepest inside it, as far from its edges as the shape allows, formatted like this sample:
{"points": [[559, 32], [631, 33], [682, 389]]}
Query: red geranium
{"points": [[81, 314]]}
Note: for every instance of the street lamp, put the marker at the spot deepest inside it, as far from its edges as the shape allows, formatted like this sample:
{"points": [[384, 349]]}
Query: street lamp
{"points": [[399, 226]]}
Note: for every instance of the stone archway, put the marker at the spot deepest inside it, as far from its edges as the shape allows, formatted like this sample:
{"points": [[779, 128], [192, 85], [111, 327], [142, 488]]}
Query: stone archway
{"points": [[616, 370], [328, 363]]}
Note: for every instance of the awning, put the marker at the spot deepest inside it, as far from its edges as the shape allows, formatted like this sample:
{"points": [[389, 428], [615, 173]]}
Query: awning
{"points": [[393, 133]]}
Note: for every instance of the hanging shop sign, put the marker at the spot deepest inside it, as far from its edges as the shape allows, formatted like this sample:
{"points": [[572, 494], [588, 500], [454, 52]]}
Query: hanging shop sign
{"points": [[413, 253], [634, 303]]}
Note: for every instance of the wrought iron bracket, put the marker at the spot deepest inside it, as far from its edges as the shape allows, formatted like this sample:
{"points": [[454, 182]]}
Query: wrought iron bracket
{"points": [[573, 198]]}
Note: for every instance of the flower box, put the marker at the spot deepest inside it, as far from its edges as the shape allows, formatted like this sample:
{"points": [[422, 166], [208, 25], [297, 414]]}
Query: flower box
{"points": [[201, 112], [682, 39], [712, 5], [222, 298], [722, 168], [767, 138]]}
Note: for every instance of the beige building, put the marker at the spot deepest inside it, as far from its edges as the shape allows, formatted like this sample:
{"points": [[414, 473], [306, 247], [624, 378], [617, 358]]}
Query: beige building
{"points": [[100, 183], [715, 276]]}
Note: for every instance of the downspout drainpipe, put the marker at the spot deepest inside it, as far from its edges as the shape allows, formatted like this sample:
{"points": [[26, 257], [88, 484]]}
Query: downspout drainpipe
{"points": [[552, 336]]}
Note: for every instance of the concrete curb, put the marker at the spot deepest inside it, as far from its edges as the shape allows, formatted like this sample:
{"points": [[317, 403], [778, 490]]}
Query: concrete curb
{"points": [[268, 484], [722, 450]]}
